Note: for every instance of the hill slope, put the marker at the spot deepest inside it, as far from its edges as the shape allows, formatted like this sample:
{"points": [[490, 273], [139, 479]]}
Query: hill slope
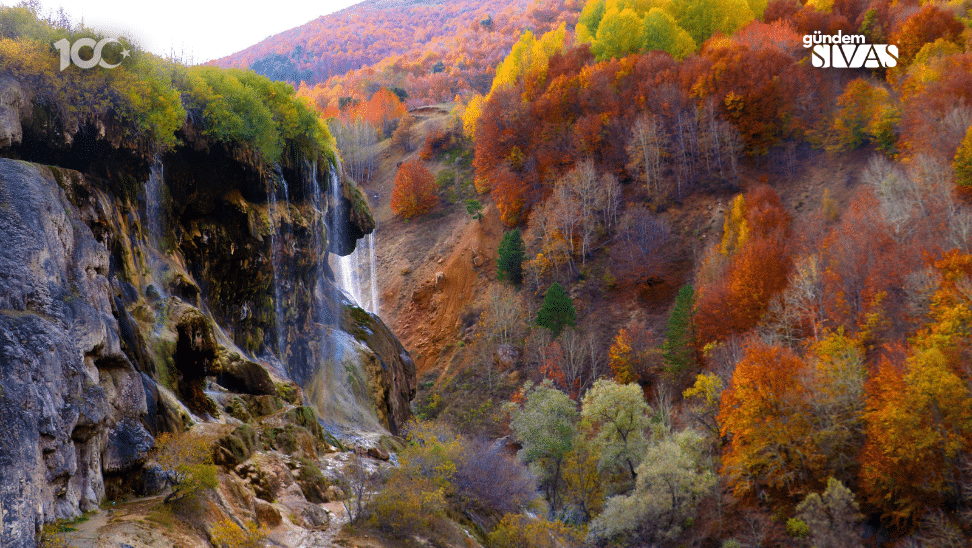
{"points": [[460, 41]]}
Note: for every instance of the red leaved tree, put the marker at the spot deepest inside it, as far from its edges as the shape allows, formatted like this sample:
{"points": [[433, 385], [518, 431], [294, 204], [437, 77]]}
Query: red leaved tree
{"points": [[735, 302], [765, 415], [415, 192], [924, 27]]}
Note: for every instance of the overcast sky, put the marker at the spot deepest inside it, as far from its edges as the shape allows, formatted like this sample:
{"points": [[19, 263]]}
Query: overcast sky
{"points": [[203, 30]]}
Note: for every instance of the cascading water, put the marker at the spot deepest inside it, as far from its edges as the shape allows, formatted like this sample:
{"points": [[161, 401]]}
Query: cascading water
{"points": [[155, 194], [153, 203], [349, 268], [372, 272], [338, 387], [275, 252]]}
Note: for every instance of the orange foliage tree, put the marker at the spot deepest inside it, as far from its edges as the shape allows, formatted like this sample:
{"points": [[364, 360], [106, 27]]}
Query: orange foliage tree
{"points": [[508, 192], [919, 413], [863, 113], [862, 264], [414, 193], [621, 358], [924, 27], [382, 110], [765, 415], [935, 98], [758, 90]]}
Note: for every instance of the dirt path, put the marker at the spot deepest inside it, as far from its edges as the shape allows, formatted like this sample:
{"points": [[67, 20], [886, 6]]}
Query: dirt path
{"points": [[126, 526]]}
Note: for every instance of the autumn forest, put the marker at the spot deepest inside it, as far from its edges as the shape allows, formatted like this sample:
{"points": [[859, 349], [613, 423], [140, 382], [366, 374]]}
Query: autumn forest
{"points": [[718, 295], [803, 380]]}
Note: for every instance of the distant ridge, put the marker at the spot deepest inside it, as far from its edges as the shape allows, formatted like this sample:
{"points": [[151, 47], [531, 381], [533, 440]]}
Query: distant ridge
{"points": [[366, 33]]}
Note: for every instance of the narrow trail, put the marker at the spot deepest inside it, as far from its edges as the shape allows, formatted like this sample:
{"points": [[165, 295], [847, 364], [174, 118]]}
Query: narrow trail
{"points": [[125, 524]]}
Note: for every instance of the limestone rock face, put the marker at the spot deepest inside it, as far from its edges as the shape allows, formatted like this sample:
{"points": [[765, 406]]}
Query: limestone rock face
{"points": [[111, 333], [71, 403], [351, 215], [11, 107]]}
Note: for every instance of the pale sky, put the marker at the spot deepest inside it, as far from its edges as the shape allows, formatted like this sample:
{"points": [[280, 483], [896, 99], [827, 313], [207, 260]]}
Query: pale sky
{"points": [[203, 30]]}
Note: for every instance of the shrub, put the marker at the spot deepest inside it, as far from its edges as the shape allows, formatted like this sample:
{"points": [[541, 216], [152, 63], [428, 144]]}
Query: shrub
{"points": [[190, 458], [227, 534], [415, 493], [486, 475], [520, 531], [436, 142]]}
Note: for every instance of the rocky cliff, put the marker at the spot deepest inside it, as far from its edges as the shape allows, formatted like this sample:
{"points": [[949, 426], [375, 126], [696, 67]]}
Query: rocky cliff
{"points": [[138, 295]]}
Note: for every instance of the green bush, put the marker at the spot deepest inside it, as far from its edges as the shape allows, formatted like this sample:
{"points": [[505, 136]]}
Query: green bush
{"points": [[144, 102], [416, 492]]}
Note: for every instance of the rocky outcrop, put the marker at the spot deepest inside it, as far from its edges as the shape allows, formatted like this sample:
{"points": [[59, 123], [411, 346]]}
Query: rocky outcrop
{"points": [[350, 216], [70, 400], [108, 337]]}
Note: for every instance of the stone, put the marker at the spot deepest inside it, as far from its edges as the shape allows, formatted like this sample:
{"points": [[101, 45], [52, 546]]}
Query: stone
{"points": [[505, 356], [267, 514], [333, 493], [154, 480], [244, 377], [128, 445], [100, 355], [59, 340], [378, 453]]}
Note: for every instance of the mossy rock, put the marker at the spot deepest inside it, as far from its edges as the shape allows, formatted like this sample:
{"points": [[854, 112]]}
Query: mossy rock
{"points": [[292, 440], [305, 417], [238, 409], [261, 406], [245, 377], [392, 444], [235, 447], [185, 289], [289, 392], [311, 481]]}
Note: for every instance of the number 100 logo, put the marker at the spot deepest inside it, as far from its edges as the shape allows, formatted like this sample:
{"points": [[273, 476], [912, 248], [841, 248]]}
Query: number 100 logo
{"points": [[72, 53]]}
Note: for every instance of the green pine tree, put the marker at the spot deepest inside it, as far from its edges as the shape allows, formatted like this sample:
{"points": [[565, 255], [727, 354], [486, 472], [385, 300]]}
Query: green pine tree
{"points": [[509, 264], [678, 348], [557, 310]]}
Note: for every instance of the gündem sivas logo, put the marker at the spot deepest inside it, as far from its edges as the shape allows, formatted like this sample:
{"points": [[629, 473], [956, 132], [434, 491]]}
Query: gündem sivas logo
{"points": [[848, 51]]}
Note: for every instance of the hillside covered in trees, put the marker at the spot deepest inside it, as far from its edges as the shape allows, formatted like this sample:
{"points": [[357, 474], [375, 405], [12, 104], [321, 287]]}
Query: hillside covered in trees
{"points": [[431, 51], [732, 303]]}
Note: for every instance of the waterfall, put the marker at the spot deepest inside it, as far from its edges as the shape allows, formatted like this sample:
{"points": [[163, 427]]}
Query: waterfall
{"points": [[153, 204], [348, 270], [373, 271], [337, 386], [154, 226], [347, 266], [275, 260]]}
